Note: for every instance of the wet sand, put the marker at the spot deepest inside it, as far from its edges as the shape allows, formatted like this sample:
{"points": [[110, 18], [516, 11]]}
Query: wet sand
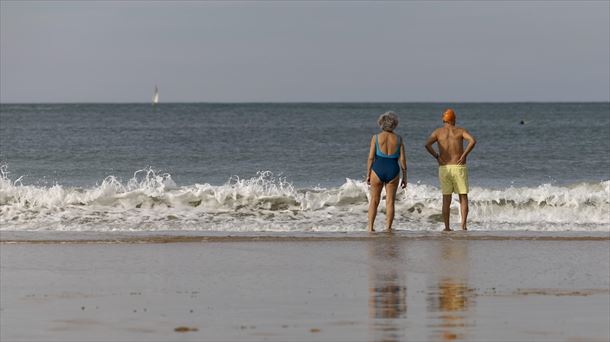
{"points": [[392, 287]]}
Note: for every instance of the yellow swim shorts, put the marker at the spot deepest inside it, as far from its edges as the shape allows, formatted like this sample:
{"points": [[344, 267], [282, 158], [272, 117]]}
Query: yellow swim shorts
{"points": [[453, 178]]}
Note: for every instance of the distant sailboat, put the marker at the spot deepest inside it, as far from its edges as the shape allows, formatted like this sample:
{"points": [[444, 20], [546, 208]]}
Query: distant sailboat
{"points": [[156, 96]]}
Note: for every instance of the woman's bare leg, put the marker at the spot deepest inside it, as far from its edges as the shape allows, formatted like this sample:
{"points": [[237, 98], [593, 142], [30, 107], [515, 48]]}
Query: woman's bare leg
{"points": [[390, 197], [376, 187]]}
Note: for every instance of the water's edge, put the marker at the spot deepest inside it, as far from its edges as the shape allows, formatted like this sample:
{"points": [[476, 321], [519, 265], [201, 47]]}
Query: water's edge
{"points": [[199, 237]]}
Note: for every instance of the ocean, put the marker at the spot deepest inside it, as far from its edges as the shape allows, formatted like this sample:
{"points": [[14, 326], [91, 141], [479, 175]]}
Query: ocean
{"points": [[293, 167]]}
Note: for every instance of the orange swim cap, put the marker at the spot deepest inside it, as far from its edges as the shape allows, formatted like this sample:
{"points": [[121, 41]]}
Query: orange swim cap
{"points": [[449, 116]]}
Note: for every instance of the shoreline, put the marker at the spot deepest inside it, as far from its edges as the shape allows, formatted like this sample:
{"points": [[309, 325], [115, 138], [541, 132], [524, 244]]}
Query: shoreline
{"points": [[60, 237]]}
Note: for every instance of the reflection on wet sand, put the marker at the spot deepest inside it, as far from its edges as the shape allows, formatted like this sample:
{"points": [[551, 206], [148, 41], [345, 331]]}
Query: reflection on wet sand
{"points": [[450, 300], [387, 289]]}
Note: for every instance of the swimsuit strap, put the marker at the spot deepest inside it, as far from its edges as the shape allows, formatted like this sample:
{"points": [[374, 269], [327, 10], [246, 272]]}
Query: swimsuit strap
{"points": [[399, 139], [377, 151]]}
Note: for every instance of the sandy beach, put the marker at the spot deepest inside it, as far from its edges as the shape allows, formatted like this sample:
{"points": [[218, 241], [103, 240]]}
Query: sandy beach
{"points": [[389, 287]]}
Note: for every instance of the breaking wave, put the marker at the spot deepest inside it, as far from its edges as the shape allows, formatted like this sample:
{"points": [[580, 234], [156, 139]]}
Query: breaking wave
{"points": [[152, 201]]}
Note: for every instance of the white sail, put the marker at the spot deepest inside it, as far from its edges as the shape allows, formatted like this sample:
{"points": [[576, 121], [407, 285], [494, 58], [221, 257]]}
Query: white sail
{"points": [[156, 96]]}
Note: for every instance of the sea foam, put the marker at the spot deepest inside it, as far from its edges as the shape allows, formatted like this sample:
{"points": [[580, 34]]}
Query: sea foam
{"points": [[151, 201]]}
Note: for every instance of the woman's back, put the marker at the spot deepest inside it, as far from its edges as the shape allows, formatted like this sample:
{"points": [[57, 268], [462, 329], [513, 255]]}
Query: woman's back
{"points": [[389, 143]]}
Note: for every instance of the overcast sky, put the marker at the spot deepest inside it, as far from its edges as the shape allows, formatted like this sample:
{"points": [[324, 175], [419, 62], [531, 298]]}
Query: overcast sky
{"points": [[304, 51]]}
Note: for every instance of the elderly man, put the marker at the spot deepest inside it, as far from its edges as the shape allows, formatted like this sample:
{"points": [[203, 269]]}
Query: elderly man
{"points": [[452, 171]]}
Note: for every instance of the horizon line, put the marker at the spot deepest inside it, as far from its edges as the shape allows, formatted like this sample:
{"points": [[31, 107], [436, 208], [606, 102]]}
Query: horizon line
{"points": [[305, 102]]}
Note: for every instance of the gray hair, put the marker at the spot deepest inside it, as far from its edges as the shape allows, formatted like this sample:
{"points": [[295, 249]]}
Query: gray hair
{"points": [[388, 121]]}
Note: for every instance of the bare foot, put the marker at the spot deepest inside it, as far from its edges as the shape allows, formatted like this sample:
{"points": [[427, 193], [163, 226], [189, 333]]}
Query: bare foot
{"points": [[447, 230], [464, 228], [371, 230]]}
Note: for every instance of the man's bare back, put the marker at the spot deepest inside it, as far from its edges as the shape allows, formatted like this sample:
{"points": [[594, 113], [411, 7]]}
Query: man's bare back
{"points": [[450, 140]]}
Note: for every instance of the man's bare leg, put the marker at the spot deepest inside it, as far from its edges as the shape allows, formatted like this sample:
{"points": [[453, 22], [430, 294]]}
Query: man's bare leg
{"points": [[464, 209], [446, 206], [376, 187], [390, 196]]}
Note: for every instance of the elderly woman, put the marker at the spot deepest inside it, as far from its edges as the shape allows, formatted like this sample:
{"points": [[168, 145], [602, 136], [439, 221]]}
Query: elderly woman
{"points": [[386, 159]]}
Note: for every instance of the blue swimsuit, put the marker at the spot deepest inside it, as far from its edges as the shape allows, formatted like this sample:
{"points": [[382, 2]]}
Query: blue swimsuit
{"points": [[386, 166]]}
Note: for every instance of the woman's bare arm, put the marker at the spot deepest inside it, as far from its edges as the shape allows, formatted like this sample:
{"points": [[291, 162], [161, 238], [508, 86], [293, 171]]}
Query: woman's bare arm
{"points": [[370, 160], [403, 164]]}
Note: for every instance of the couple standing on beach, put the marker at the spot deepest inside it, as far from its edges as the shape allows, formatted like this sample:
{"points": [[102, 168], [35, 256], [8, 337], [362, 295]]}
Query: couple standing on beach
{"points": [[384, 168]]}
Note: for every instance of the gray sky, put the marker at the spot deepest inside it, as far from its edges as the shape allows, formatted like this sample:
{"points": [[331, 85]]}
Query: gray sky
{"points": [[305, 51]]}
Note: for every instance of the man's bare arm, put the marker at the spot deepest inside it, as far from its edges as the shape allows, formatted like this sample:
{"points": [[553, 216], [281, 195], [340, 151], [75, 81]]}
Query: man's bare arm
{"points": [[431, 140], [471, 142], [371, 159]]}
